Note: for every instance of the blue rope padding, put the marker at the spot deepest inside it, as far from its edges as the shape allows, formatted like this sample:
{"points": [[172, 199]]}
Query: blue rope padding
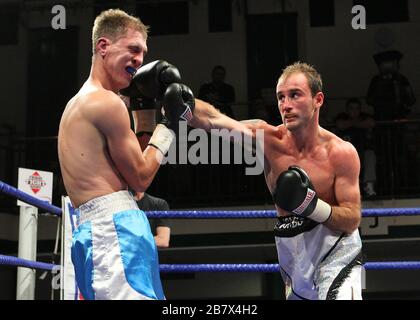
{"points": [[390, 212], [214, 214], [19, 262], [184, 268], [202, 214], [188, 214], [226, 267], [401, 265], [27, 198]]}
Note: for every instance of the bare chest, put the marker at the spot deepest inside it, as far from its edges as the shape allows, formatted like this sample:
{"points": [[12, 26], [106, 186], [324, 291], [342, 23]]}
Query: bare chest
{"points": [[316, 165]]}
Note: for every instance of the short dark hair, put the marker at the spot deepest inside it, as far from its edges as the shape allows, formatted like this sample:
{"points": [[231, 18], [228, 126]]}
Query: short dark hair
{"points": [[313, 76]]}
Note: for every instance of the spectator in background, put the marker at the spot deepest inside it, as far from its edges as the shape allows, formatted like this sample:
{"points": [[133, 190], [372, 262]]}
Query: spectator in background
{"points": [[356, 127], [160, 229], [217, 92], [389, 92], [391, 96]]}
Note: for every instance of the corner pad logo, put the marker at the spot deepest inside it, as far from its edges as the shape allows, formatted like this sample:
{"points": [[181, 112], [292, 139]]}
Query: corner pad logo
{"points": [[35, 182]]}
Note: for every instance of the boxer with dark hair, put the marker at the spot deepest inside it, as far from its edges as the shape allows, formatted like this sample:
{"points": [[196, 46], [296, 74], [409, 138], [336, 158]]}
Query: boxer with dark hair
{"points": [[313, 176]]}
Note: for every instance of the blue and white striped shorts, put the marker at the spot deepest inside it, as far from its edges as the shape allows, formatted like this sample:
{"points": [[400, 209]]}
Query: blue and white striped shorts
{"points": [[113, 250]]}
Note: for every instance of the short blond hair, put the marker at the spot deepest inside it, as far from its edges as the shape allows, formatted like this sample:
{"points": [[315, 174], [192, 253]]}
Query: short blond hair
{"points": [[113, 24], [313, 76]]}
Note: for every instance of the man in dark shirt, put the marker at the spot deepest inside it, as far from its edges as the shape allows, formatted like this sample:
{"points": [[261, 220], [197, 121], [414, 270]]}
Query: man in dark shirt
{"points": [[389, 92], [160, 229], [217, 92], [356, 127]]}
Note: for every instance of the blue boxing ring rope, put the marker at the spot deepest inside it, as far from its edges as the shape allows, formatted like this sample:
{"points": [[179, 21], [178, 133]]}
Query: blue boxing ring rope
{"points": [[201, 214], [188, 214], [192, 214], [222, 267], [23, 196]]}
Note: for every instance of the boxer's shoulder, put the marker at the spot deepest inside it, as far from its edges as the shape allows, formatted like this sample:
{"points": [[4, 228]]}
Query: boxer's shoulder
{"points": [[101, 96], [332, 142], [260, 125], [98, 101], [341, 152], [279, 132], [276, 137], [256, 124], [337, 146]]}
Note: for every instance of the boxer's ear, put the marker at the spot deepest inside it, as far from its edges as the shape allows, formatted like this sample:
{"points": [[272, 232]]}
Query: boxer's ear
{"points": [[102, 45], [319, 99]]}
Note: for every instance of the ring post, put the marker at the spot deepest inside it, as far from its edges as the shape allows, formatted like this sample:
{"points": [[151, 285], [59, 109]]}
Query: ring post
{"points": [[28, 222], [37, 184]]}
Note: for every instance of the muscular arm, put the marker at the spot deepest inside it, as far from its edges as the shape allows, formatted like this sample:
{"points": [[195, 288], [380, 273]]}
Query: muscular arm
{"points": [[252, 131], [346, 215], [208, 117], [144, 138], [136, 167]]}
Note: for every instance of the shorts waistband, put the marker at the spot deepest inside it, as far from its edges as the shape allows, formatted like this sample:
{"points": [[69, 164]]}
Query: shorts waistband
{"points": [[106, 205]]}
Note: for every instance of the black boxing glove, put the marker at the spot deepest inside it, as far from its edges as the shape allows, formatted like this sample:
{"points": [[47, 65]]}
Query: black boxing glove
{"points": [[152, 79], [295, 193], [178, 105], [146, 88]]}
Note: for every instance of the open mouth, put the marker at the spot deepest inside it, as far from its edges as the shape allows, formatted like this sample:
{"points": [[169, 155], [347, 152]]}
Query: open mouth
{"points": [[130, 70]]}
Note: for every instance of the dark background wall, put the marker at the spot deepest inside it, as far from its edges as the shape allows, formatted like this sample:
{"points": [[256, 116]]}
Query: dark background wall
{"points": [[42, 68], [290, 29]]}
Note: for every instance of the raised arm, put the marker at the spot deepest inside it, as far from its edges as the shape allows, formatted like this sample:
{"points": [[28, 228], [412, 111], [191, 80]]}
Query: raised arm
{"points": [[346, 215], [208, 117], [136, 167], [253, 131]]}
